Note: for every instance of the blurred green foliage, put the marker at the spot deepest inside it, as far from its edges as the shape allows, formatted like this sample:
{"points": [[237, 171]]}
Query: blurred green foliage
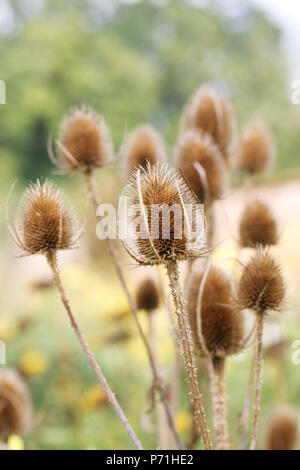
{"points": [[134, 62]]}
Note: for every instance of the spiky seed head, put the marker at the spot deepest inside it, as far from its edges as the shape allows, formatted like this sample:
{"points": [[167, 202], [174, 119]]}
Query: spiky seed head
{"points": [[258, 226], [282, 430], [170, 220], [221, 326], [208, 111], [45, 223], [84, 141], [202, 165], [144, 145], [256, 152], [261, 287], [16, 407], [147, 296]]}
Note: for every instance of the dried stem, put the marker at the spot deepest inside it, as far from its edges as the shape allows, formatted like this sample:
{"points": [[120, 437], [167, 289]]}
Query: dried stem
{"points": [[259, 364], [157, 379], [219, 402], [187, 349], [51, 258], [247, 402]]}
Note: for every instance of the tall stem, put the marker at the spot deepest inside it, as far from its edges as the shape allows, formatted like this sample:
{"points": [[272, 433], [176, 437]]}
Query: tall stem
{"points": [[259, 364], [160, 386], [219, 404], [247, 402], [51, 258], [187, 349]]}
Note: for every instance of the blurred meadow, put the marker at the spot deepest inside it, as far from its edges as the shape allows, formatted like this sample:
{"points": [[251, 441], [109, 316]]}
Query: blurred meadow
{"points": [[134, 62]]}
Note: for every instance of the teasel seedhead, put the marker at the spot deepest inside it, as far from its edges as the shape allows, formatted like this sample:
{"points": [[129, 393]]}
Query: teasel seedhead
{"points": [[16, 412], [261, 287], [256, 152], [258, 226], [208, 111], [144, 145], [202, 165], [216, 322], [84, 142], [44, 222], [147, 295], [182, 236], [282, 430]]}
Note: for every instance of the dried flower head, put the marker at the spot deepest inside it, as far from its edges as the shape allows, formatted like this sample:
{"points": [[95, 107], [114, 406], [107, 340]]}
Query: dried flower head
{"points": [[84, 141], [282, 430], [144, 145], [44, 223], [15, 404], [217, 324], [202, 165], [258, 226], [256, 149], [147, 296], [165, 220], [261, 286], [208, 111]]}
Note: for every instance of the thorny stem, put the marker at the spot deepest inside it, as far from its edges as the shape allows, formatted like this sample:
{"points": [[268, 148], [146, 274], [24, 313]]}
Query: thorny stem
{"points": [[52, 261], [187, 349], [247, 402], [158, 382], [219, 404], [259, 363]]}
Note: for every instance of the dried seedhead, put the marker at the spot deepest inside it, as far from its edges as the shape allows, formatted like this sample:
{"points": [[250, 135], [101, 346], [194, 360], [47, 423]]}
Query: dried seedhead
{"points": [[217, 324], [258, 226], [202, 165], [144, 145], [261, 286], [165, 220], [147, 296], [208, 111], [282, 430], [16, 413], [84, 141], [44, 223], [256, 152]]}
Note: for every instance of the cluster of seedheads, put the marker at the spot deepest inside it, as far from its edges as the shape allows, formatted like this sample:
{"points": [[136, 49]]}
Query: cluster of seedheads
{"points": [[210, 309]]}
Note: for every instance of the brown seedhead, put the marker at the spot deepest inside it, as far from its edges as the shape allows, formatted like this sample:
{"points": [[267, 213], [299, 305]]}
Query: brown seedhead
{"points": [[144, 145], [208, 111], [219, 331], [258, 226], [261, 287], [282, 430], [16, 413], [256, 149], [147, 296], [84, 141], [44, 224], [202, 165], [150, 190]]}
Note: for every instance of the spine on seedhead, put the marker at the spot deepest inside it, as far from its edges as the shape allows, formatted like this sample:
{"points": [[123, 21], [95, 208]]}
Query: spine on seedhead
{"points": [[258, 226], [282, 430], [84, 141], [208, 111], [16, 412], [143, 146], [256, 153]]}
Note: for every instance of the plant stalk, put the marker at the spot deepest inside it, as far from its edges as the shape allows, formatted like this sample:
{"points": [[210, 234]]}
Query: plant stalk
{"points": [[52, 261], [187, 350], [219, 402], [259, 365]]}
